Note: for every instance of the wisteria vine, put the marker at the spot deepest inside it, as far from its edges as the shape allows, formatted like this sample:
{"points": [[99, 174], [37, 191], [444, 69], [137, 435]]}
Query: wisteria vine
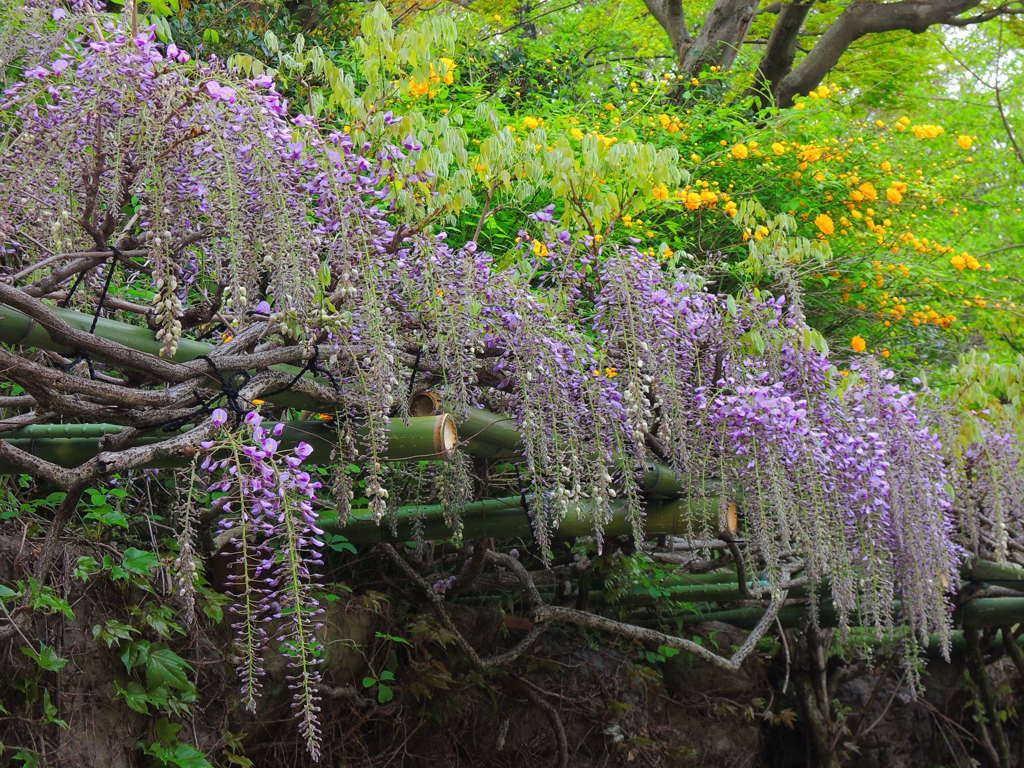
{"points": [[123, 150], [265, 499]]}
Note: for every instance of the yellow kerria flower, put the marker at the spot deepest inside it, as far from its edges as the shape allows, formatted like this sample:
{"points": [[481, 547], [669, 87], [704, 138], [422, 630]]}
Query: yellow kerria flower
{"points": [[739, 151], [965, 142], [531, 122], [868, 190], [824, 222], [418, 89], [660, 192], [858, 343], [893, 195]]}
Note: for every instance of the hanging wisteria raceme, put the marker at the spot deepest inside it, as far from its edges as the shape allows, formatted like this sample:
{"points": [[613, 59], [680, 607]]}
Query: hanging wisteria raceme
{"points": [[265, 498], [34, 31], [988, 477], [124, 152]]}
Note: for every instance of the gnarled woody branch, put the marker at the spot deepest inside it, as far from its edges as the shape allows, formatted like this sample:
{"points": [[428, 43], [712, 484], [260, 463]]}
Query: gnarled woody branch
{"points": [[498, 660], [725, 25], [77, 339], [862, 18], [542, 612], [108, 462]]}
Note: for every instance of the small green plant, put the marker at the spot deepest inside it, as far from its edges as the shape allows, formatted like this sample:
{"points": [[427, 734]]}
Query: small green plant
{"points": [[385, 692], [159, 679], [167, 750], [661, 655]]}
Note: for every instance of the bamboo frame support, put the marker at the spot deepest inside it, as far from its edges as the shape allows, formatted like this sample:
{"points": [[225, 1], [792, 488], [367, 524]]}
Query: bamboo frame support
{"points": [[69, 445], [508, 518]]}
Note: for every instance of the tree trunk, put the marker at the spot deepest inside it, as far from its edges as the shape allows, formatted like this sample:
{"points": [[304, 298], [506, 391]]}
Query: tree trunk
{"points": [[724, 30], [857, 20], [780, 51], [669, 14]]}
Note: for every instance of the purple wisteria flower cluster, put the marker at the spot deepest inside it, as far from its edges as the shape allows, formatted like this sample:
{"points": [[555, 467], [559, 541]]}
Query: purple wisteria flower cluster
{"points": [[603, 358], [265, 498], [988, 478]]}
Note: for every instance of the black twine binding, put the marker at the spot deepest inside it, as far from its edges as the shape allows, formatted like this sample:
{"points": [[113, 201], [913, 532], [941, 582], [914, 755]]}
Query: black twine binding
{"points": [[230, 387], [80, 355], [522, 498], [313, 366], [415, 370]]}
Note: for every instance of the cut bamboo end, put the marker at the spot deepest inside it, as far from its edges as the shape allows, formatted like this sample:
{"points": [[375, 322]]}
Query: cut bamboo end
{"points": [[728, 518], [446, 435], [425, 403]]}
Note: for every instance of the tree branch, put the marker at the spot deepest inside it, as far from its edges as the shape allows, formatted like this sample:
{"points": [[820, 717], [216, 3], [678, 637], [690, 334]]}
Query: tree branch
{"points": [[781, 49], [669, 13], [721, 36], [543, 612], [859, 19]]}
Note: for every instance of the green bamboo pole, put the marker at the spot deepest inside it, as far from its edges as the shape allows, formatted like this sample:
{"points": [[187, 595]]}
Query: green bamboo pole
{"points": [[992, 612], [986, 570], [506, 518], [423, 437], [487, 434], [976, 614], [19, 329], [491, 435]]}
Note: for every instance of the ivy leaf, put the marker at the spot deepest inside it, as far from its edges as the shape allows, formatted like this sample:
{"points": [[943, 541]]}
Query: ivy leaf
{"points": [[187, 756], [139, 561], [45, 657], [135, 696], [165, 667]]}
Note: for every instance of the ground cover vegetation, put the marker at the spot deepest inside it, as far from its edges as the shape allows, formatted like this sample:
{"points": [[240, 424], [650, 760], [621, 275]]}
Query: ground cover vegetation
{"points": [[360, 361]]}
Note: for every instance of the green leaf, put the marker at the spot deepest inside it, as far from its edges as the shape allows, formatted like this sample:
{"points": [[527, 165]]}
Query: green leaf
{"points": [[113, 632], [369, 682], [392, 638], [134, 695], [139, 561], [187, 756], [166, 731], [45, 657], [50, 711], [165, 667], [107, 515], [85, 567], [6, 592], [384, 694]]}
